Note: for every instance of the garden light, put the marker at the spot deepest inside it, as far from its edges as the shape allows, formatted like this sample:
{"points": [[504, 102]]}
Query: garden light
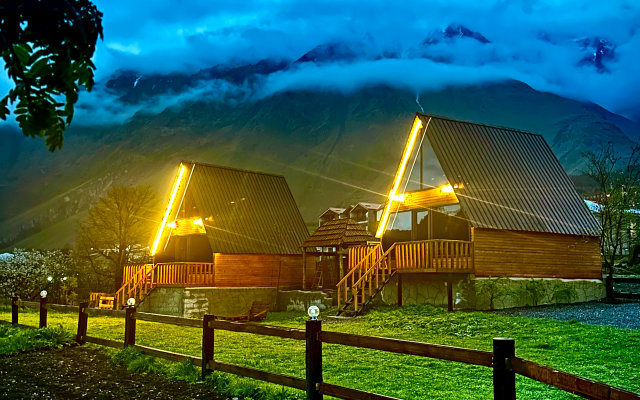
{"points": [[50, 278], [313, 312], [43, 294], [131, 302]]}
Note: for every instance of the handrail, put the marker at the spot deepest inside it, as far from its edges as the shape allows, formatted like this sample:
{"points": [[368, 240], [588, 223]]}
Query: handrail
{"points": [[139, 278], [366, 277], [351, 273]]}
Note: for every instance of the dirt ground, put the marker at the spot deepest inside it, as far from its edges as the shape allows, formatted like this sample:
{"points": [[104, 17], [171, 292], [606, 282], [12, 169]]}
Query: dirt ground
{"points": [[83, 373]]}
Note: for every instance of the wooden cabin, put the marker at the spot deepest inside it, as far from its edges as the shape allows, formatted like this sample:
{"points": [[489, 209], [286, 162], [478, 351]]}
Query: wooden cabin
{"points": [[472, 200], [224, 227]]}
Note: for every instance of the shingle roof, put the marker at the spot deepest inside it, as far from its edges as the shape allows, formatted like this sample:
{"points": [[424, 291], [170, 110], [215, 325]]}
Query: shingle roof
{"points": [[338, 233], [252, 212], [511, 179]]}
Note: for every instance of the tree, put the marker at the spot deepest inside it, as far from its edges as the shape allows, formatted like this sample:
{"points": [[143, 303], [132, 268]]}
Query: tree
{"points": [[25, 273], [617, 182], [47, 48], [117, 231]]}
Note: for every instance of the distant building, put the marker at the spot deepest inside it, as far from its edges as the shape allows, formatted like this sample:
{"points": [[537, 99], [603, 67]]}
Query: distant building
{"points": [[363, 213]]}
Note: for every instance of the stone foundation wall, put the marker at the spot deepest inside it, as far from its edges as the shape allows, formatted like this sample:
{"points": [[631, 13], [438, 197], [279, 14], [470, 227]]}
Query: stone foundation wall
{"points": [[492, 293], [168, 301], [301, 300]]}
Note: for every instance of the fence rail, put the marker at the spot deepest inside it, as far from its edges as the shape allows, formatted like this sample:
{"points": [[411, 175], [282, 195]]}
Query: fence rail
{"points": [[503, 360]]}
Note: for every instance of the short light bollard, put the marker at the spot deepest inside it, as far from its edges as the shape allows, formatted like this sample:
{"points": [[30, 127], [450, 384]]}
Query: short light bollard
{"points": [[43, 309]]}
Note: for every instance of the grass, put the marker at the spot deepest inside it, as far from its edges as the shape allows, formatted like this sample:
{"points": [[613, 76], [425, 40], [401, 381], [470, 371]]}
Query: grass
{"points": [[14, 340], [602, 353]]}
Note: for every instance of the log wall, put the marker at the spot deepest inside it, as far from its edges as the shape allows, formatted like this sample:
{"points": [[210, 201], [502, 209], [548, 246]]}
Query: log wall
{"points": [[283, 270], [533, 254]]}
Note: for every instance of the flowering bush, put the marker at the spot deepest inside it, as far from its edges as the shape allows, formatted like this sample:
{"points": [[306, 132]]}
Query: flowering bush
{"points": [[24, 273]]}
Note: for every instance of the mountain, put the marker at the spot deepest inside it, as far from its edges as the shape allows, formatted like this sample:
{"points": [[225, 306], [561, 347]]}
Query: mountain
{"points": [[334, 148]]}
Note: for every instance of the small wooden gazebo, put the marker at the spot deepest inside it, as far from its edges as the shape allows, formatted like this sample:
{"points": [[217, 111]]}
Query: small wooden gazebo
{"points": [[330, 242]]}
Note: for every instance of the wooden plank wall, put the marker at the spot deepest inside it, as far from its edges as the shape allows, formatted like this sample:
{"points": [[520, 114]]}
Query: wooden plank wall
{"points": [[265, 270], [532, 254]]}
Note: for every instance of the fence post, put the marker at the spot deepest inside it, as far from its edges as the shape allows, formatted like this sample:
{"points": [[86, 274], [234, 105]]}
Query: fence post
{"points": [[207, 344], [14, 310], [313, 360], [82, 322], [504, 379], [130, 326], [43, 309]]}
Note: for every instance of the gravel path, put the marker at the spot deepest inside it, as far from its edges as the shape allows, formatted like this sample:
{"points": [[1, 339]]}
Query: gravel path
{"points": [[624, 315]]}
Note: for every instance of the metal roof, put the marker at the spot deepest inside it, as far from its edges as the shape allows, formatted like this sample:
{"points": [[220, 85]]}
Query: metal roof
{"points": [[246, 211], [510, 179], [342, 232]]}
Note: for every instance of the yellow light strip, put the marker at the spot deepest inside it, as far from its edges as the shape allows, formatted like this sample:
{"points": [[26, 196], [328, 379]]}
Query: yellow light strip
{"points": [[417, 124], [174, 191]]}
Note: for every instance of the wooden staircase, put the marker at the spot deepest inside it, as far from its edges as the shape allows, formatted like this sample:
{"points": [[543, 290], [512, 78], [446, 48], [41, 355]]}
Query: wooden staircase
{"points": [[365, 280], [139, 285]]}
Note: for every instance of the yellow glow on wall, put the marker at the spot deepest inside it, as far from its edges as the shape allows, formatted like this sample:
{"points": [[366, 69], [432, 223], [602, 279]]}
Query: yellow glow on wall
{"points": [[417, 124], [174, 192]]}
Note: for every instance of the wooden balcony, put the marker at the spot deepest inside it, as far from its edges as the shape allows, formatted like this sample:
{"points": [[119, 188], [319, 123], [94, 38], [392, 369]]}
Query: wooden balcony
{"points": [[450, 256], [181, 274]]}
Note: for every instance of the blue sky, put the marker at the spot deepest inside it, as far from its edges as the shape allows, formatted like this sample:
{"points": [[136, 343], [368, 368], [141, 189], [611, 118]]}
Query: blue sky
{"points": [[547, 44]]}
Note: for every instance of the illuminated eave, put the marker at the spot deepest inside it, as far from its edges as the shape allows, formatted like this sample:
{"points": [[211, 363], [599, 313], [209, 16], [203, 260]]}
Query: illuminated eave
{"points": [[174, 192], [384, 220]]}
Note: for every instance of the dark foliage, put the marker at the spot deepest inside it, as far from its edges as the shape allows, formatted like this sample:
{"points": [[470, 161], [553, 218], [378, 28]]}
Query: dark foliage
{"points": [[47, 48]]}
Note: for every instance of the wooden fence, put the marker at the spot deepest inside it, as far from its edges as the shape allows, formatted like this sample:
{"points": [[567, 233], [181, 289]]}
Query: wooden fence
{"points": [[502, 360]]}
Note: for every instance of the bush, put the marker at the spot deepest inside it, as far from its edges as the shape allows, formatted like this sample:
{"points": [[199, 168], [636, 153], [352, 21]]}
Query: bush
{"points": [[24, 273], [14, 340]]}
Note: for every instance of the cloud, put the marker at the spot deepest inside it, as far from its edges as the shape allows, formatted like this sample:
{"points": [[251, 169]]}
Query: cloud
{"points": [[537, 41]]}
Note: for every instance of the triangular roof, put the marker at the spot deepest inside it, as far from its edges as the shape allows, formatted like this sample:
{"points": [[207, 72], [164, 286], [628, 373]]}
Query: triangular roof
{"points": [[333, 210], [338, 233], [245, 211], [506, 178], [367, 206]]}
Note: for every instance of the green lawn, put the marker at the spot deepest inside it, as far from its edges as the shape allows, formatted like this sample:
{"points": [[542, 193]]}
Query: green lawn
{"points": [[601, 353]]}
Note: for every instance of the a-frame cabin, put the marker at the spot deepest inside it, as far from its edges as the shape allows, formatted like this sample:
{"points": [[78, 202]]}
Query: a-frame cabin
{"points": [[224, 227], [471, 201]]}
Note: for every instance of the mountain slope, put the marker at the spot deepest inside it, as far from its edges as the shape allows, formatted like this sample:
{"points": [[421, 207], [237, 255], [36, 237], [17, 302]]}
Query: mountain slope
{"points": [[333, 148]]}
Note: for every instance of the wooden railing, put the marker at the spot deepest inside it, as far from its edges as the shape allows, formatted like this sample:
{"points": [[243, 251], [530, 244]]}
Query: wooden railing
{"points": [[438, 255], [137, 286], [370, 266], [372, 280], [501, 360], [144, 278], [357, 253], [184, 274], [366, 257]]}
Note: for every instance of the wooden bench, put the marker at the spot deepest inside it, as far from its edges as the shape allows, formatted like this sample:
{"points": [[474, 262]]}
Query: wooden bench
{"points": [[257, 312], [106, 302]]}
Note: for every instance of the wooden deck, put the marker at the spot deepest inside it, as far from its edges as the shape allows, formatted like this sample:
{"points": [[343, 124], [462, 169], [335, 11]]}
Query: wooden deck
{"points": [[371, 267]]}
